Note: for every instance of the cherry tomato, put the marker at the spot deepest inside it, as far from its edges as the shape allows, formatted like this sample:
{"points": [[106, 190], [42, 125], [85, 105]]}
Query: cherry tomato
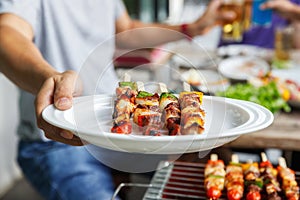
{"points": [[266, 164], [125, 128], [293, 198], [253, 196], [214, 193], [234, 195]]}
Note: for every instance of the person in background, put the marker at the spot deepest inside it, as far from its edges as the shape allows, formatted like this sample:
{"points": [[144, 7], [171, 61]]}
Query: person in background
{"points": [[289, 10], [285, 12], [43, 43]]}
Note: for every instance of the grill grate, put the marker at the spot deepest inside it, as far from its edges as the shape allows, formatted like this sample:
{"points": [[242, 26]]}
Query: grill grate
{"points": [[180, 181]]}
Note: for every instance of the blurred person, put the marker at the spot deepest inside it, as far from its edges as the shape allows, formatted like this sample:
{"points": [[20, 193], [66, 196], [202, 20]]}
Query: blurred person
{"points": [[290, 11], [43, 43], [285, 12], [287, 9]]}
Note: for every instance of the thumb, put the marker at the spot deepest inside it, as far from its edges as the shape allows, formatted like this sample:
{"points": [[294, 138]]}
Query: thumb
{"points": [[63, 103], [64, 89]]}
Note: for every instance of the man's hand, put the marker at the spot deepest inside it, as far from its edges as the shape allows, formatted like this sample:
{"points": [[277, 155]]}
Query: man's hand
{"points": [[58, 90], [211, 17], [285, 8]]}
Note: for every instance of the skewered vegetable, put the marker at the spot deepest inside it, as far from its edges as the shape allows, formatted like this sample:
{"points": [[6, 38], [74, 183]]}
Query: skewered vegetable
{"points": [[169, 105], [124, 107], [268, 174], [214, 174], [147, 109], [288, 181], [192, 115], [252, 182], [234, 179]]}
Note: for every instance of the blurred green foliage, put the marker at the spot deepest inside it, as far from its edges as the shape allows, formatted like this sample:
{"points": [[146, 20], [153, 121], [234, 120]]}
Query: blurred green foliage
{"points": [[267, 95]]}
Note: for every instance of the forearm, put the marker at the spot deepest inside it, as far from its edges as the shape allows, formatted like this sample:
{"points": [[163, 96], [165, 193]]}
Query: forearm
{"points": [[296, 13], [134, 34], [296, 26], [21, 61], [149, 35], [285, 8]]}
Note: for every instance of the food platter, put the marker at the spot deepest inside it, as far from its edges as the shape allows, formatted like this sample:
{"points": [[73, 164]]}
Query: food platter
{"points": [[208, 81], [290, 79], [90, 118], [243, 67], [244, 50], [195, 58]]}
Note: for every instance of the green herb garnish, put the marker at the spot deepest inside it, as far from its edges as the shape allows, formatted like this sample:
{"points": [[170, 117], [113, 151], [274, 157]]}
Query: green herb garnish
{"points": [[267, 95]]}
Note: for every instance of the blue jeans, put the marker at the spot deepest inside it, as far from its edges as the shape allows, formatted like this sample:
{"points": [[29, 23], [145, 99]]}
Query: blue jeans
{"points": [[63, 172]]}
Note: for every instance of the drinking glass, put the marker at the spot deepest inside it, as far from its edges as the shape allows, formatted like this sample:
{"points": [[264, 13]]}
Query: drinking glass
{"points": [[283, 42], [248, 14], [232, 30]]}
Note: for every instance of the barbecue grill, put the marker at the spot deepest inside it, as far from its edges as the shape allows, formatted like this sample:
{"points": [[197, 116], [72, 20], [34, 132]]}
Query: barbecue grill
{"points": [[177, 181]]}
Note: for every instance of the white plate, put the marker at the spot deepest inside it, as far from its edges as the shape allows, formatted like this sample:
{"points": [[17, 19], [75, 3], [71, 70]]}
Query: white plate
{"points": [[193, 58], [243, 67], [290, 74], [226, 119], [244, 50], [207, 81]]}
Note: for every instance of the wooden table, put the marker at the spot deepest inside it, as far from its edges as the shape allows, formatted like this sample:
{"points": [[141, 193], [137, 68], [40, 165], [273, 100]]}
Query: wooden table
{"points": [[284, 134]]}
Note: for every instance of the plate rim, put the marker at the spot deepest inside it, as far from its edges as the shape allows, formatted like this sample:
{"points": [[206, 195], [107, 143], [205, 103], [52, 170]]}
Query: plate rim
{"points": [[239, 103], [223, 71], [162, 141]]}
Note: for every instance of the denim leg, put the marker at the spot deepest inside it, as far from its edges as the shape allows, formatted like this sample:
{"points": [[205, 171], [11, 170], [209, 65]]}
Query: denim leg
{"points": [[65, 172]]}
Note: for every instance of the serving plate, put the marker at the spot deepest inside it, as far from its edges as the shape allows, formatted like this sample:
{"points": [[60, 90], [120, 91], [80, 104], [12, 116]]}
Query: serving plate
{"points": [[244, 50], [207, 81], [194, 58], [226, 119], [243, 67], [291, 74]]}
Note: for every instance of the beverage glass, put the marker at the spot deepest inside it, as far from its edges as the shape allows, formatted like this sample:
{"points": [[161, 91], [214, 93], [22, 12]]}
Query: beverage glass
{"points": [[232, 30], [283, 43], [261, 17], [247, 14]]}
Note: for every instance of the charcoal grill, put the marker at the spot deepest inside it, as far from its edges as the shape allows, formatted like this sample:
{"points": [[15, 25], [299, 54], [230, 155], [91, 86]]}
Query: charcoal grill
{"points": [[177, 181]]}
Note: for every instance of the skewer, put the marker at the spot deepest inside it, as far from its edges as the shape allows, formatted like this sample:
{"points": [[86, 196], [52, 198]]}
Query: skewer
{"points": [[263, 157], [213, 157], [186, 87], [282, 162], [250, 161], [288, 180], [269, 176], [163, 88], [170, 108], [124, 106], [235, 158], [140, 86], [127, 77], [192, 115], [214, 174], [253, 184], [147, 114], [234, 180]]}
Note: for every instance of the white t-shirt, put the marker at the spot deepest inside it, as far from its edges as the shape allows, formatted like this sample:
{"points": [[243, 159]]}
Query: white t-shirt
{"points": [[71, 35]]}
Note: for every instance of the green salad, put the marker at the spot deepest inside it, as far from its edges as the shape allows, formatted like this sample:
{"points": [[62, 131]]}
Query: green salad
{"points": [[267, 95]]}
